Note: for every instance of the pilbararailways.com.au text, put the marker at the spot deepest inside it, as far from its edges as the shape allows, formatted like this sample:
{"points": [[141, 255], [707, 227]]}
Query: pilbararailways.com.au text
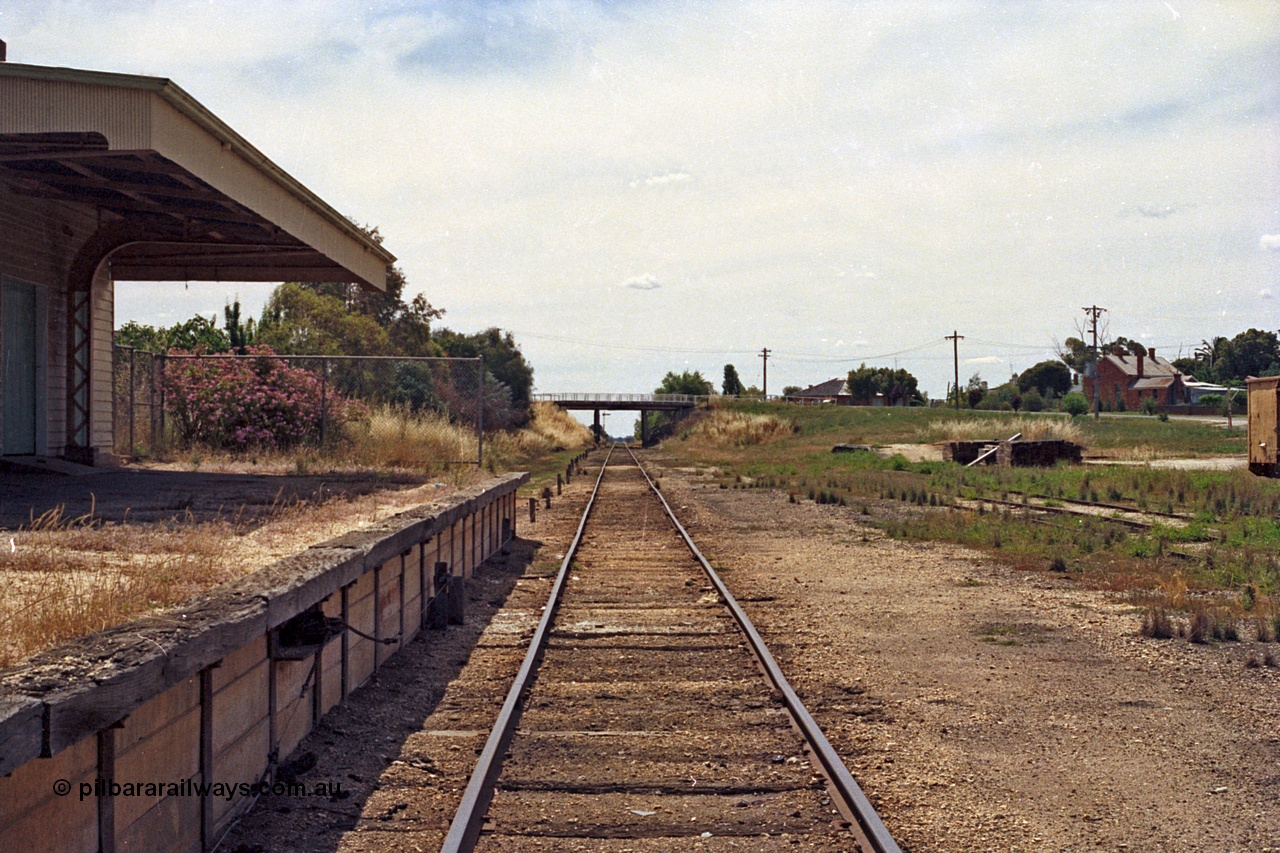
{"points": [[193, 788]]}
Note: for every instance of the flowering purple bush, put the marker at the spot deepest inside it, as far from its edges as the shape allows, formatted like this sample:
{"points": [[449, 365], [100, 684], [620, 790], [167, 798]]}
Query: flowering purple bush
{"points": [[238, 403]]}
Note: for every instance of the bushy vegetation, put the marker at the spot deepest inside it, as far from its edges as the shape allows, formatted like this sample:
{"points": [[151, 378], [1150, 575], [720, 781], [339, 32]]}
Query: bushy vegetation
{"points": [[897, 386], [235, 404]]}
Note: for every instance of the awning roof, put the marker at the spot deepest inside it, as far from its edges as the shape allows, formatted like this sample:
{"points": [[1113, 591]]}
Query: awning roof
{"points": [[205, 203]]}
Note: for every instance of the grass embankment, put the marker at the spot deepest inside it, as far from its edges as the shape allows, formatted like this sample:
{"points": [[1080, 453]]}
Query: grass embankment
{"points": [[1228, 538], [66, 577]]}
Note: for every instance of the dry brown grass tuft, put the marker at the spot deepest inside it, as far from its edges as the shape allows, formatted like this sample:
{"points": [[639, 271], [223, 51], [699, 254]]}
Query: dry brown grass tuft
{"points": [[68, 577], [398, 438], [1044, 428], [550, 429], [724, 428]]}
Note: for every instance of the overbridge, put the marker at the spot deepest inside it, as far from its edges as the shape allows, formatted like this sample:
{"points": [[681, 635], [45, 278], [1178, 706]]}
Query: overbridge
{"points": [[642, 403]]}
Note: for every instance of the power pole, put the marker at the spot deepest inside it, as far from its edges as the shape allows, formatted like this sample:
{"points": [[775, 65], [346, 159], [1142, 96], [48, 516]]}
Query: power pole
{"points": [[1094, 312], [955, 337], [764, 353]]}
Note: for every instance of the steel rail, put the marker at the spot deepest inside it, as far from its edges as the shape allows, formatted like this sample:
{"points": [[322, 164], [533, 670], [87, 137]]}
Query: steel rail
{"points": [[846, 787], [469, 820]]}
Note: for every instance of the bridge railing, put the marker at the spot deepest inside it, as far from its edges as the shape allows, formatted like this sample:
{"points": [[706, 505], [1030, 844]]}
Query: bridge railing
{"points": [[587, 397], [691, 399]]}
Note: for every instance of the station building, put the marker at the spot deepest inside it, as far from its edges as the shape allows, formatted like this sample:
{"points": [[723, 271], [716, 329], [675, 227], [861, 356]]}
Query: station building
{"points": [[112, 177]]}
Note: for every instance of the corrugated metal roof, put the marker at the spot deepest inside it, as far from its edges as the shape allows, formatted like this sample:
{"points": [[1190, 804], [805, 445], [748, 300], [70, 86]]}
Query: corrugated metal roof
{"points": [[1150, 366]]}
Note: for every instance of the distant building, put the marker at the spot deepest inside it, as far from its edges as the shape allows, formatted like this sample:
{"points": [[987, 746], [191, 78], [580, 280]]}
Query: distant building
{"points": [[1124, 381], [832, 391], [1196, 390]]}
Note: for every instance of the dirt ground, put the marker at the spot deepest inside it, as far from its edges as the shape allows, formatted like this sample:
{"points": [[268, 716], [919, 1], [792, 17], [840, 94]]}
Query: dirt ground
{"points": [[982, 708], [986, 708]]}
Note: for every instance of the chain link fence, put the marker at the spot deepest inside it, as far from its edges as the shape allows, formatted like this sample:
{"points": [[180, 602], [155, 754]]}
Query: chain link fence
{"points": [[362, 409]]}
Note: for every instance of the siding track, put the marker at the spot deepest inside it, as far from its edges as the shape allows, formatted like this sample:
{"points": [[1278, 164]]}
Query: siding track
{"points": [[650, 716]]}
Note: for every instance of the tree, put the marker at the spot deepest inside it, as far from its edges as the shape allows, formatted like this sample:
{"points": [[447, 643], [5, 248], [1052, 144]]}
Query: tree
{"points": [[790, 390], [732, 386], [686, 382], [1046, 377], [1123, 346], [1074, 353], [896, 385], [140, 336], [502, 359], [303, 320], [239, 335], [690, 382], [1250, 353]]}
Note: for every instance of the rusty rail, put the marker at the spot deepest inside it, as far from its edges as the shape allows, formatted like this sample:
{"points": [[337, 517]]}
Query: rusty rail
{"points": [[465, 830], [467, 823], [853, 801]]}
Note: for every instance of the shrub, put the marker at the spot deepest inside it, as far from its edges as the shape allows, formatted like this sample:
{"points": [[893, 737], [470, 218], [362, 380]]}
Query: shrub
{"points": [[1075, 404], [237, 403]]}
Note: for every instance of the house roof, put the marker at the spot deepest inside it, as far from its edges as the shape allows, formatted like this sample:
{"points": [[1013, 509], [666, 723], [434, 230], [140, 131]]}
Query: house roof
{"points": [[1151, 365], [203, 203], [1148, 382], [830, 388]]}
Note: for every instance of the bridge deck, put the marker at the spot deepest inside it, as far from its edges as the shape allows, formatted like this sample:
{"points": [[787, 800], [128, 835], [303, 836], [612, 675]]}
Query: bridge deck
{"points": [[622, 402]]}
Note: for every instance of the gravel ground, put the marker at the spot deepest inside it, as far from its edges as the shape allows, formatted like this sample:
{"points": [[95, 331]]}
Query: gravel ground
{"points": [[987, 708], [982, 708]]}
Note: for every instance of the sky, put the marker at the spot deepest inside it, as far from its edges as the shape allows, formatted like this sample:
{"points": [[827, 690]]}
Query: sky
{"points": [[639, 186]]}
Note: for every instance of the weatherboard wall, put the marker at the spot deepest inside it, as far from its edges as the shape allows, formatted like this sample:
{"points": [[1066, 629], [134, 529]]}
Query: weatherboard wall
{"points": [[202, 693]]}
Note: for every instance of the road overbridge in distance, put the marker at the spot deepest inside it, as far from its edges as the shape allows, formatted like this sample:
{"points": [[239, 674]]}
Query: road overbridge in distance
{"points": [[642, 403]]}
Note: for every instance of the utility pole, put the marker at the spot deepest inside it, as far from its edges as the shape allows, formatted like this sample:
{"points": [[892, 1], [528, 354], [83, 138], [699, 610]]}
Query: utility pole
{"points": [[1094, 312], [955, 337], [764, 353]]}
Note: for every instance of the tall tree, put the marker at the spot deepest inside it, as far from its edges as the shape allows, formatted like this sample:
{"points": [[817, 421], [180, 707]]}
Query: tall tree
{"points": [[732, 385]]}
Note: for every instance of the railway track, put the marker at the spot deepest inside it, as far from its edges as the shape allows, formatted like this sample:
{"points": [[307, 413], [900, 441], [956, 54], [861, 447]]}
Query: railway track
{"points": [[648, 716]]}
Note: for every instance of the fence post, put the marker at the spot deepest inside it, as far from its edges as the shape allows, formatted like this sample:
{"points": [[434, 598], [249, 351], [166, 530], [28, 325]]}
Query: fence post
{"points": [[163, 361], [480, 420], [133, 407]]}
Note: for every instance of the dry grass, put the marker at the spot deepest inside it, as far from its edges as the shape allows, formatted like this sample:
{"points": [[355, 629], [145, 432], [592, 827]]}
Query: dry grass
{"points": [[726, 428], [399, 439], [981, 429], [65, 577]]}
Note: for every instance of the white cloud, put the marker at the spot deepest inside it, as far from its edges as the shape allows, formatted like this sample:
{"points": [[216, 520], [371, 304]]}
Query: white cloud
{"points": [[986, 359], [1270, 242], [668, 178], [648, 281]]}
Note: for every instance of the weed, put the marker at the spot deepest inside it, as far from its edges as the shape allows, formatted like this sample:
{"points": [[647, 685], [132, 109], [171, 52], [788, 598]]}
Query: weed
{"points": [[1157, 624], [1197, 630]]}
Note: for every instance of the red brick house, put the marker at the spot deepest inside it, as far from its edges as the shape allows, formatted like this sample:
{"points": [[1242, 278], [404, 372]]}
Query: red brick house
{"points": [[1124, 381]]}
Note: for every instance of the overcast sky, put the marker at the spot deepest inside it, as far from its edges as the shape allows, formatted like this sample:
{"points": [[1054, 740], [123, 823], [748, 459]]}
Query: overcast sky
{"points": [[634, 187]]}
